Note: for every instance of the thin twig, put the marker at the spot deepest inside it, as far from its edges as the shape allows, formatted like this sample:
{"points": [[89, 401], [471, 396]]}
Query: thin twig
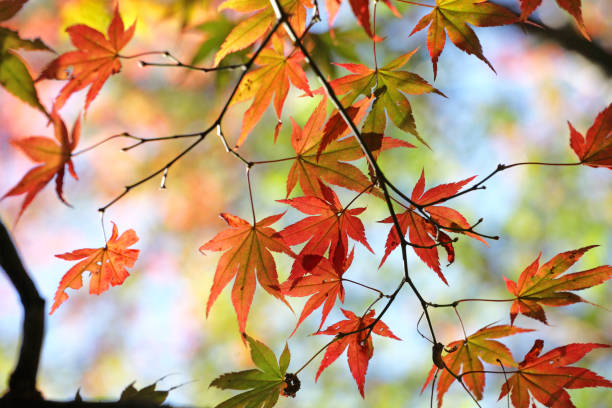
{"points": [[201, 135]]}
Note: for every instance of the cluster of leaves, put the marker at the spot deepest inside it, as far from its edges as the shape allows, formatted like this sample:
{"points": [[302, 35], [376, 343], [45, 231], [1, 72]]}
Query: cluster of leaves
{"points": [[355, 129]]}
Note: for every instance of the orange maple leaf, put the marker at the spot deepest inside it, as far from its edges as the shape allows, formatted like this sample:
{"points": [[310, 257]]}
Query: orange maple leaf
{"points": [[97, 59], [273, 76], [596, 149], [107, 265], [54, 158], [248, 253]]}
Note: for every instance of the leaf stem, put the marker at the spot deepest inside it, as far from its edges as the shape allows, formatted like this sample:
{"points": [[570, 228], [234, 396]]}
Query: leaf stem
{"points": [[414, 3], [380, 292], [124, 134], [316, 354], [248, 175]]}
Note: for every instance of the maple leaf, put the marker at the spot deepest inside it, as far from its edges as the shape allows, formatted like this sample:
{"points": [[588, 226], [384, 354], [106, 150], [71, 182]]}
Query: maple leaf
{"points": [[54, 158], [543, 285], [361, 10], [468, 355], [451, 17], [421, 232], [329, 226], [323, 284], [388, 85], [546, 377], [265, 383], [360, 347], [330, 165], [247, 254], [571, 6], [15, 76], [96, 59], [271, 79], [257, 26], [107, 265], [596, 149]]}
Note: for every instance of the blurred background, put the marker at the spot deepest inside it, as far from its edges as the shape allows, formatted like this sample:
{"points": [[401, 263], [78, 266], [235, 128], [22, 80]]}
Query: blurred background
{"points": [[154, 325]]}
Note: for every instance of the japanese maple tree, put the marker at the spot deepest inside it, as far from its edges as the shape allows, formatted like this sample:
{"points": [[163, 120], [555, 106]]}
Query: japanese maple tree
{"points": [[319, 242]]}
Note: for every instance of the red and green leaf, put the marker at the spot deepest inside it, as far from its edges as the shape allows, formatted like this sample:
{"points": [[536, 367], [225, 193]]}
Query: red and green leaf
{"points": [[595, 149], [546, 378], [391, 85], [452, 17], [330, 165], [107, 265], [544, 286], [466, 358], [270, 83]]}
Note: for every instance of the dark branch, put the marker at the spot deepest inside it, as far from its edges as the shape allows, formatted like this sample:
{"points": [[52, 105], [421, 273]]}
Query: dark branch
{"points": [[22, 383]]}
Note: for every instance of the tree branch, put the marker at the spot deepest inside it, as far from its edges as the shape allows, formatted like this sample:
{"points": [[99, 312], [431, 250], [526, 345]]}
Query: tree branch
{"points": [[22, 383]]}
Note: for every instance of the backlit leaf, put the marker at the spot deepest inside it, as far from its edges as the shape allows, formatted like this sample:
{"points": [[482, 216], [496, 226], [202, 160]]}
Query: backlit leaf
{"points": [[360, 347], [96, 59], [546, 378], [107, 265], [54, 155], [543, 285], [247, 255], [596, 149], [452, 17]]}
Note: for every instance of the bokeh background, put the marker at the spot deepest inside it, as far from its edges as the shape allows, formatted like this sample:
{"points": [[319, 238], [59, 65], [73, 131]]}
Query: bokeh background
{"points": [[154, 325]]}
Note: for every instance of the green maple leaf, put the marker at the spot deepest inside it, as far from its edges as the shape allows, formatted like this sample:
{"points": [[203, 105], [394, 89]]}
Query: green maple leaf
{"points": [[264, 383]]}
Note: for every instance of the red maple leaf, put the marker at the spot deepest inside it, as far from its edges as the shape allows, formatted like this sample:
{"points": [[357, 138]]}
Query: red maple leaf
{"points": [[466, 357], [571, 6], [546, 377], [54, 158], [543, 285], [323, 284], [329, 165], [96, 59], [247, 254], [107, 265], [451, 17], [421, 232], [360, 348], [328, 227], [596, 149], [271, 79]]}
